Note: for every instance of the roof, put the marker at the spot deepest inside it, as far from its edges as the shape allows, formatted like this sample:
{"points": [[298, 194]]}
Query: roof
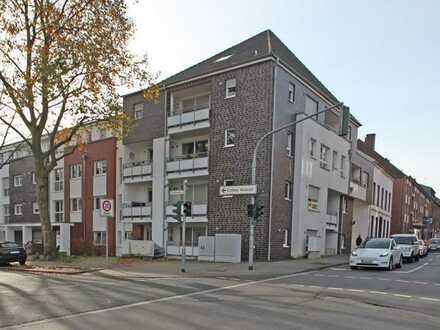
{"points": [[382, 161]]}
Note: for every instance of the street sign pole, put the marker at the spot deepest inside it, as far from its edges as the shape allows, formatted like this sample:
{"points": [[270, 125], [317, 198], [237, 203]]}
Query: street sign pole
{"points": [[254, 173], [106, 240], [107, 211]]}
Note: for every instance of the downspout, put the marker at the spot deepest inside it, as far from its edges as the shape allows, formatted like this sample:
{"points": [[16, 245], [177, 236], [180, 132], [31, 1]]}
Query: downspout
{"points": [[165, 187], [340, 230], [269, 239]]}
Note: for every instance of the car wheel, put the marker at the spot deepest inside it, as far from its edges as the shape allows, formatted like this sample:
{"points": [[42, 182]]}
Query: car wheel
{"points": [[22, 262], [417, 258], [353, 267], [399, 265], [390, 265], [411, 259]]}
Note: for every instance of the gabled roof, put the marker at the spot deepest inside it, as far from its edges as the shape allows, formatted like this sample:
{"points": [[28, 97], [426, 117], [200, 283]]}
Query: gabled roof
{"points": [[382, 161], [263, 45]]}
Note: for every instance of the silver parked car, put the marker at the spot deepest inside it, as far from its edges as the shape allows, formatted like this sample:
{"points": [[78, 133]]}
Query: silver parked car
{"points": [[377, 253]]}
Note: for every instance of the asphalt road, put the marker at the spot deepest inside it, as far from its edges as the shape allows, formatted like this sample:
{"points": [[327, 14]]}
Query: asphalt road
{"points": [[335, 298]]}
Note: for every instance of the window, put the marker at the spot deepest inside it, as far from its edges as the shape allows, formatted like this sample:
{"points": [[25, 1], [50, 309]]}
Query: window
{"points": [[325, 151], [231, 88], [6, 210], [99, 238], [287, 190], [59, 211], [344, 205], [138, 111], [18, 180], [374, 191], [100, 167], [342, 166], [378, 195], [59, 179], [311, 106], [389, 203], [98, 202], [365, 178], [35, 208], [291, 92], [349, 133], [335, 160], [75, 204], [386, 200], [289, 144], [381, 198], [18, 209], [5, 186], [312, 148], [229, 137], [313, 199], [34, 178], [228, 182], [75, 171]]}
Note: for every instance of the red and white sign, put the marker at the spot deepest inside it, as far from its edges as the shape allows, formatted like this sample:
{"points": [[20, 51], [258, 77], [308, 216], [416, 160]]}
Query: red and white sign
{"points": [[107, 209]]}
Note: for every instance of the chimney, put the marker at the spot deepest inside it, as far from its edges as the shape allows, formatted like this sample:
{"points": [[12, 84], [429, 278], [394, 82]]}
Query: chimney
{"points": [[370, 141]]}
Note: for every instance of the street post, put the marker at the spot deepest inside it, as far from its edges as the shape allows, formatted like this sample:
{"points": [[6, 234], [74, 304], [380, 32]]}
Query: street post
{"points": [[183, 266]]}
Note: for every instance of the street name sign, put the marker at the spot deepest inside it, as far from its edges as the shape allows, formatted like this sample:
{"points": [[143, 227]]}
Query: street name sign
{"points": [[238, 190]]}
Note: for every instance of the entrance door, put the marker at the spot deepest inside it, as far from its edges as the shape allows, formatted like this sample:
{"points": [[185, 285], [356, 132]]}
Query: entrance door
{"points": [[18, 237]]}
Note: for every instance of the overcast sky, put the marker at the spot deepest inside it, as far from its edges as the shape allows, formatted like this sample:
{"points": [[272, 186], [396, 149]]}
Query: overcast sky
{"points": [[379, 57]]}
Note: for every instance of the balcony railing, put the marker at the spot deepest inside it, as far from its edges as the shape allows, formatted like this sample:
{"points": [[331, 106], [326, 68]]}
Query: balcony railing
{"points": [[136, 210], [189, 120], [358, 191], [195, 163], [137, 171], [331, 220]]}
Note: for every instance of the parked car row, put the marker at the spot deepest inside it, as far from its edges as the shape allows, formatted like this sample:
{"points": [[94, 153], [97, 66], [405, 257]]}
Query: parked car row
{"points": [[12, 252], [389, 253]]}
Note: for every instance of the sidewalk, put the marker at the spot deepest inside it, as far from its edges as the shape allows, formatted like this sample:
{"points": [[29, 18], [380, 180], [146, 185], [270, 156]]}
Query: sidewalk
{"points": [[171, 268]]}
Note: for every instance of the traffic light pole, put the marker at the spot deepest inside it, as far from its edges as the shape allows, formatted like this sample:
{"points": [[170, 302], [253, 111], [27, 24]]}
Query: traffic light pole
{"points": [[254, 173], [183, 266]]}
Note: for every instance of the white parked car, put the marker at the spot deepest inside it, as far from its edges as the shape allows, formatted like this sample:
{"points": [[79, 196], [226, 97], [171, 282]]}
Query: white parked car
{"points": [[377, 253], [409, 245]]}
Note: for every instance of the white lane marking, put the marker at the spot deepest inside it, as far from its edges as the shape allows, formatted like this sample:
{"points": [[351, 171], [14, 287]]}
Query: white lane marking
{"points": [[429, 299], [403, 281], [315, 287], [412, 270], [332, 288], [351, 277], [378, 292], [365, 278], [320, 275], [355, 290], [153, 301], [401, 295], [344, 269], [418, 282], [383, 279]]}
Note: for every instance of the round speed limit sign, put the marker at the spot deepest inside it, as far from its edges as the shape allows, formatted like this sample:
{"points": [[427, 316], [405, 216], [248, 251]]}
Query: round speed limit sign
{"points": [[107, 207]]}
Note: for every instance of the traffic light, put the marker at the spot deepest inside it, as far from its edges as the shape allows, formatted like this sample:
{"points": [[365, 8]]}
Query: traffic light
{"points": [[187, 209], [258, 210], [250, 210], [343, 131], [177, 211]]}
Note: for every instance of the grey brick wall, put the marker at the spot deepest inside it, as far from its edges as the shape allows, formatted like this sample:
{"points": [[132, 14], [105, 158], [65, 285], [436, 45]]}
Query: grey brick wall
{"points": [[250, 113], [26, 194]]}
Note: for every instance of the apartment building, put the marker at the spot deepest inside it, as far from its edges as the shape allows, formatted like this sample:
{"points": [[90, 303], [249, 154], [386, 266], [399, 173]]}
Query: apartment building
{"points": [[76, 184], [201, 136], [411, 205]]}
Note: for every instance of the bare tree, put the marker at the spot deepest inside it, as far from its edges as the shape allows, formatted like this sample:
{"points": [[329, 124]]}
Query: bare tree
{"points": [[62, 63]]}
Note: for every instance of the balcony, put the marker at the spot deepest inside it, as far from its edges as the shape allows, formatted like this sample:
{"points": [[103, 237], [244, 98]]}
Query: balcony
{"points": [[358, 191], [188, 166], [136, 212], [135, 172], [189, 113]]}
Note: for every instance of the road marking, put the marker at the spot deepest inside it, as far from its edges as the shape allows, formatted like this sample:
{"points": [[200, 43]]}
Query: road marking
{"points": [[365, 278], [344, 269], [417, 282], [429, 299], [355, 290], [153, 301], [378, 292], [350, 277], [314, 287], [319, 275], [413, 270], [401, 295], [383, 279], [332, 288], [403, 281]]}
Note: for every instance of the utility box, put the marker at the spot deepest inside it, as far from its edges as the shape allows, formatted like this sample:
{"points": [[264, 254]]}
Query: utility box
{"points": [[220, 248]]}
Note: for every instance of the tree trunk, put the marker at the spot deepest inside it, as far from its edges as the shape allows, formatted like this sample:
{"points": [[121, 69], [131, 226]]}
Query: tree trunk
{"points": [[42, 176]]}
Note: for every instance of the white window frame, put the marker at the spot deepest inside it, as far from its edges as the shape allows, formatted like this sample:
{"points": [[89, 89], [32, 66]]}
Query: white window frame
{"points": [[6, 211], [75, 171], [57, 210], [324, 157], [34, 178], [286, 238], [35, 208], [18, 209], [291, 95], [18, 180], [231, 88], [289, 144], [335, 160], [58, 182], [102, 238], [342, 167], [100, 167], [75, 204], [312, 204], [138, 113], [227, 134]]}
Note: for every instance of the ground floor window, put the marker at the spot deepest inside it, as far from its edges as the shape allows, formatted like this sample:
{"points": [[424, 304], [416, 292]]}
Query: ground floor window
{"points": [[2, 236], [192, 234], [99, 238]]}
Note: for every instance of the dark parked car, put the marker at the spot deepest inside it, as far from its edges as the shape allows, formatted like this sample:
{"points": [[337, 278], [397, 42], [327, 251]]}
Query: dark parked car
{"points": [[12, 252]]}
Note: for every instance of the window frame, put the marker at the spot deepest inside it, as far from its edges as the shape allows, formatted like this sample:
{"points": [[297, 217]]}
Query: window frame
{"points": [[139, 110], [291, 92], [313, 205], [98, 168], [57, 211], [288, 190], [228, 85], [324, 163], [102, 238], [18, 183], [18, 205], [226, 137], [289, 144], [35, 210], [76, 171], [312, 147], [58, 179], [77, 202]]}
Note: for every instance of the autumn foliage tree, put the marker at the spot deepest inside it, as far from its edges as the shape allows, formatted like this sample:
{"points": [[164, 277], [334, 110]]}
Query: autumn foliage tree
{"points": [[62, 64]]}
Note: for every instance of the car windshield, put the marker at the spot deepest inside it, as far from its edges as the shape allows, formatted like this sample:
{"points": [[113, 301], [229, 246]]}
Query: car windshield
{"points": [[376, 244], [9, 245], [404, 240], [435, 241]]}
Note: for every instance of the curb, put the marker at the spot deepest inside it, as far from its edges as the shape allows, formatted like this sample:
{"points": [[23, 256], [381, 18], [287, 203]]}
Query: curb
{"points": [[55, 272]]}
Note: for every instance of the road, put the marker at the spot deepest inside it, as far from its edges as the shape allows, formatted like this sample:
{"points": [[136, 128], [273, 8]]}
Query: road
{"points": [[335, 298]]}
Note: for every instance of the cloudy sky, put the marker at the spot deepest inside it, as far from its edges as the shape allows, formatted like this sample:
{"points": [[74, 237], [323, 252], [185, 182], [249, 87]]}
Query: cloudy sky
{"points": [[379, 57]]}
